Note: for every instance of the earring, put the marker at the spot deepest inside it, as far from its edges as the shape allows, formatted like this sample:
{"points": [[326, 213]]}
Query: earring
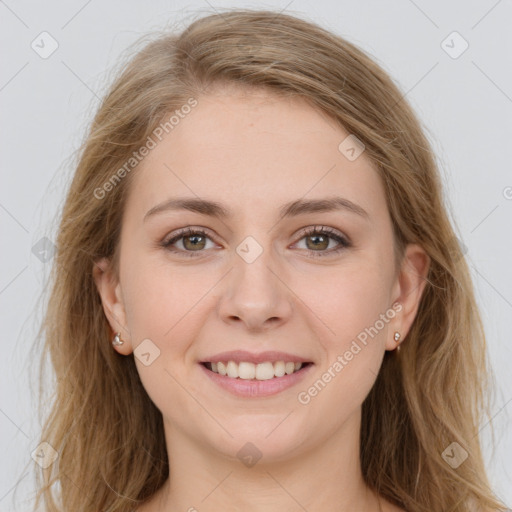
{"points": [[397, 340], [117, 340]]}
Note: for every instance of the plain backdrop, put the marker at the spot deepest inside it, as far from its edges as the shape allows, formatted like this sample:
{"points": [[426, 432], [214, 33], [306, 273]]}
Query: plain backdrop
{"points": [[462, 95]]}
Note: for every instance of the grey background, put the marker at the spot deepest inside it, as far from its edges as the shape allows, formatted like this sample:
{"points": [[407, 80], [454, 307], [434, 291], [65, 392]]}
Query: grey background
{"points": [[46, 103]]}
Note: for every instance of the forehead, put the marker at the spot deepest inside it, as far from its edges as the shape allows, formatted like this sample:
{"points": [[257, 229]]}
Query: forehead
{"points": [[254, 150]]}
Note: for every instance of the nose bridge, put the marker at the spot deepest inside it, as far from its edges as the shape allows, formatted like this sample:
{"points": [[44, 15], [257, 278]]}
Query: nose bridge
{"points": [[254, 294], [254, 278]]}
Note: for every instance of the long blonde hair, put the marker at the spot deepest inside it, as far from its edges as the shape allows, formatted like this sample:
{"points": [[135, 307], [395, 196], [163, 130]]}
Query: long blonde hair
{"points": [[108, 434]]}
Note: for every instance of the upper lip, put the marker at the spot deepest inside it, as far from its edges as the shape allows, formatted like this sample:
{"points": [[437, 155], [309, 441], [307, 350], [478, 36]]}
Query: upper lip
{"points": [[239, 356]]}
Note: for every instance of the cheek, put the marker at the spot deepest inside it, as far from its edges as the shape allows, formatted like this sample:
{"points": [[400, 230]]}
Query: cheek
{"points": [[351, 304], [147, 298], [346, 300], [163, 302], [165, 308]]}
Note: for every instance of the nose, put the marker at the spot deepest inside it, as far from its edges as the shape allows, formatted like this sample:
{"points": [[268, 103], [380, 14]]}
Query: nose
{"points": [[255, 295]]}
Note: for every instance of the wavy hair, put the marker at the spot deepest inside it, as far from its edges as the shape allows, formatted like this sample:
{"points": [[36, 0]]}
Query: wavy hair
{"points": [[107, 432]]}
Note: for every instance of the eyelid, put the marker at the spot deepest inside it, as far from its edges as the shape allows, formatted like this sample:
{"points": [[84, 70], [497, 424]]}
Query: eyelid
{"points": [[319, 228], [342, 240], [190, 231]]}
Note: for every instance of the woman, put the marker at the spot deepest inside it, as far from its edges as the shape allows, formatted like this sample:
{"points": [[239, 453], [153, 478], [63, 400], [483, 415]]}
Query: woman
{"points": [[255, 228]]}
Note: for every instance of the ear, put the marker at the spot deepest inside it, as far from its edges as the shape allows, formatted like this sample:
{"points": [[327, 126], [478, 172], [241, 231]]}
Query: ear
{"points": [[113, 305], [408, 290]]}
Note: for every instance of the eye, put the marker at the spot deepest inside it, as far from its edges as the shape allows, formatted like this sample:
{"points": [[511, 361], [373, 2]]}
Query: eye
{"points": [[191, 240], [318, 239]]}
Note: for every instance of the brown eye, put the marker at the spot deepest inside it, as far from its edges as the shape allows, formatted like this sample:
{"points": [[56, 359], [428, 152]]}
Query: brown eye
{"points": [[194, 242], [318, 242], [189, 241], [323, 241]]}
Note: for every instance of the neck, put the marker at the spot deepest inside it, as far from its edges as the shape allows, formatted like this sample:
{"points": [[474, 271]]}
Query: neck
{"points": [[326, 476]]}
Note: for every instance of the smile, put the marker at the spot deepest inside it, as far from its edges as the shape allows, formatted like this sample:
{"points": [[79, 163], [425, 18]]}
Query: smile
{"points": [[250, 380], [249, 371]]}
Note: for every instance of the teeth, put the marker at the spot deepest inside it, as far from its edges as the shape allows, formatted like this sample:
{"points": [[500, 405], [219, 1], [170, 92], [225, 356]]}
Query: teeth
{"points": [[246, 370], [264, 371], [279, 368], [250, 371]]}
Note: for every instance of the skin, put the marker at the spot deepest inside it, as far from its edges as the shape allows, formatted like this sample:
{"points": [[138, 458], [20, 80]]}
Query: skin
{"points": [[252, 152]]}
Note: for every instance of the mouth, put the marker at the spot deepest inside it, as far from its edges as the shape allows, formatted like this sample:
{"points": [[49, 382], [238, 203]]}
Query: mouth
{"points": [[244, 370], [249, 380]]}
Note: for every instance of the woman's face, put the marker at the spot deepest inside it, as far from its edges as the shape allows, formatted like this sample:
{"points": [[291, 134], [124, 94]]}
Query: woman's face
{"points": [[259, 279]]}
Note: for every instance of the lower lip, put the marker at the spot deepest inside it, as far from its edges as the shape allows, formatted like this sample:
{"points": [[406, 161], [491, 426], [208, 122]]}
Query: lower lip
{"points": [[257, 388]]}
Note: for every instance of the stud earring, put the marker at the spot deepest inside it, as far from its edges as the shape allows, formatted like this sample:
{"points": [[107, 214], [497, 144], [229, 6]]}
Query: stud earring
{"points": [[117, 340], [397, 340]]}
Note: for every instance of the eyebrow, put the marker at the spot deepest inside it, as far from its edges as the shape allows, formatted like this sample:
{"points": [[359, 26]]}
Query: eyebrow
{"points": [[292, 209]]}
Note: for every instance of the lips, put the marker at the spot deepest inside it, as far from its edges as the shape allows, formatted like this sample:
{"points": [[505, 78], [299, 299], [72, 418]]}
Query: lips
{"points": [[251, 375], [248, 371], [256, 388]]}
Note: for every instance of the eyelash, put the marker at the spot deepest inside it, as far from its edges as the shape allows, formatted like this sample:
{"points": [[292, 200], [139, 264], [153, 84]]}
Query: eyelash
{"points": [[343, 243]]}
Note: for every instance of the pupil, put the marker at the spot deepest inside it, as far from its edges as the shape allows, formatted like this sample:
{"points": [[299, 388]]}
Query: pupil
{"points": [[323, 241], [193, 241]]}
